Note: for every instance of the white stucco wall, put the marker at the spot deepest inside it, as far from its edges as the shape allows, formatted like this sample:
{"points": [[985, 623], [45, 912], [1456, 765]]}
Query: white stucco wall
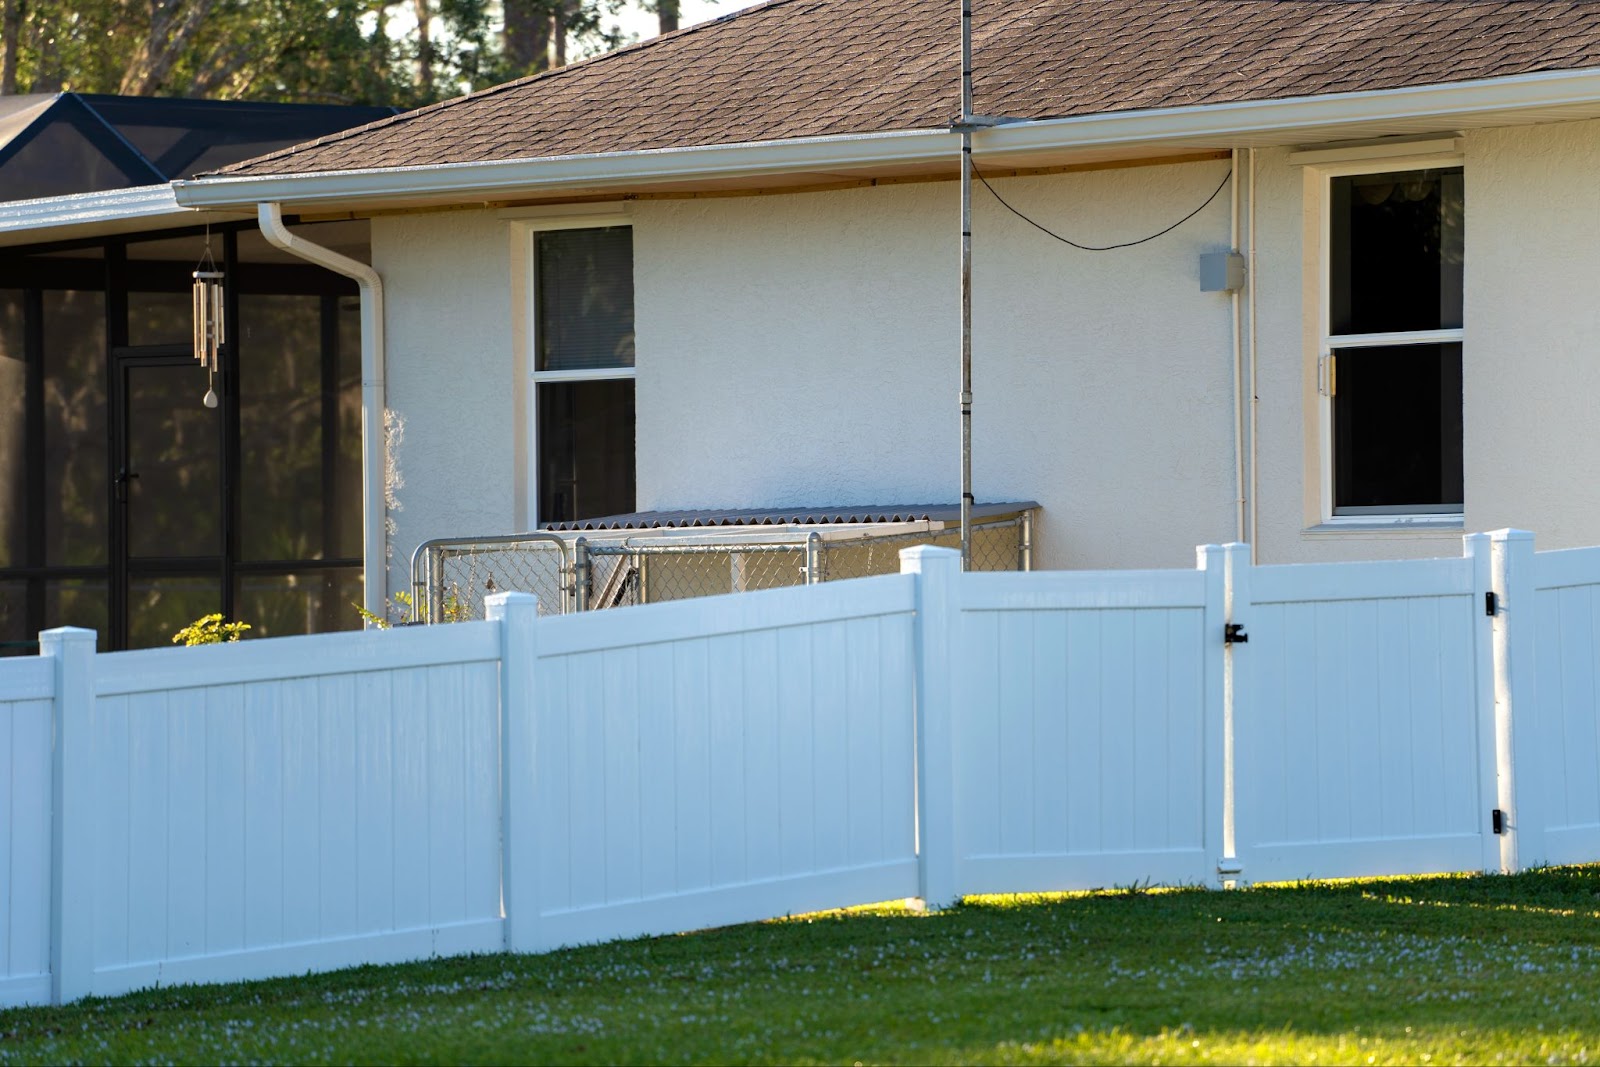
{"points": [[802, 349], [1532, 376], [805, 350], [449, 371]]}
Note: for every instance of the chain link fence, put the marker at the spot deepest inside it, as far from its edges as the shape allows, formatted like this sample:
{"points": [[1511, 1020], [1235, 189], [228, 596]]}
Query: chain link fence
{"points": [[572, 572]]}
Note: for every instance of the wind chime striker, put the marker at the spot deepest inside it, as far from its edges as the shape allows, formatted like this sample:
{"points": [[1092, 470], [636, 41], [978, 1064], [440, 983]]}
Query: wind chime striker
{"points": [[208, 320]]}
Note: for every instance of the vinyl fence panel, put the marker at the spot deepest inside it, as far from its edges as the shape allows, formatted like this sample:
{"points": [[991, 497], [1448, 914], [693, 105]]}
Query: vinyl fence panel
{"points": [[726, 759], [1564, 764], [27, 689], [1082, 730], [1364, 719], [268, 807]]}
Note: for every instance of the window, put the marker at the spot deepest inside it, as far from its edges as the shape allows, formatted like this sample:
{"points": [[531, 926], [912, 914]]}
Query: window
{"points": [[1390, 366], [583, 372]]}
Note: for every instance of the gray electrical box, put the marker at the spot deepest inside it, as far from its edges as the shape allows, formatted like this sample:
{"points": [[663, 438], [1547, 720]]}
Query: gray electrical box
{"points": [[1221, 272]]}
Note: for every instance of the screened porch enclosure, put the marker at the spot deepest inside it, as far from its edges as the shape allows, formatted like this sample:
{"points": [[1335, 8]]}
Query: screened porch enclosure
{"points": [[127, 505]]}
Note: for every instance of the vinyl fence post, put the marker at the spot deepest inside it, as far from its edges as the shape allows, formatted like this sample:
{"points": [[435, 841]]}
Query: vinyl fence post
{"points": [[938, 571], [72, 805], [1478, 549], [1227, 601], [518, 616], [1517, 754]]}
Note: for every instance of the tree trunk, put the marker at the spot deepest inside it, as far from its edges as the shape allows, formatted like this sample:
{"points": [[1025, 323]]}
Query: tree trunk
{"points": [[559, 32], [667, 15], [424, 11], [172, 25], [527, 36], [10, 37]]}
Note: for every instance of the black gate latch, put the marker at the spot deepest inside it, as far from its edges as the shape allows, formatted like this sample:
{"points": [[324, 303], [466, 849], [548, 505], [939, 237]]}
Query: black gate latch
{"points": [[1233, 634], [1491, 604], [1497, 818]]}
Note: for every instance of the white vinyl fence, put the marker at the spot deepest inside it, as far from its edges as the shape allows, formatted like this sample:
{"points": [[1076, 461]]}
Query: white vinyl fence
{"points": [[522, 783]]}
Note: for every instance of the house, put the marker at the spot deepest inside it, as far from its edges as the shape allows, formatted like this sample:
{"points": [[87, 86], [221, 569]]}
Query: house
{"points": [[730, 256], [126, 504]]}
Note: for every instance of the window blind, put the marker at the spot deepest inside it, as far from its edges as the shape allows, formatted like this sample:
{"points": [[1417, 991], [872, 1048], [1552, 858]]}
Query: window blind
{"points": [[585, 298]]}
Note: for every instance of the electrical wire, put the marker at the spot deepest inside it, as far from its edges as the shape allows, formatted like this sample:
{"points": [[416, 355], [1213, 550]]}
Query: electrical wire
{"points": [[1102, 248]]}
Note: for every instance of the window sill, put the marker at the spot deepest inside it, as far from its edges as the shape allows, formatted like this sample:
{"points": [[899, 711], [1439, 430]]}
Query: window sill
{"points": [[1387, 526]]}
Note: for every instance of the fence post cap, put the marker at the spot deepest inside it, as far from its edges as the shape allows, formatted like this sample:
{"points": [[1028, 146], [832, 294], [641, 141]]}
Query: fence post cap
{"points": [[919, 557], [499, 605], [62, 635], [1511, 534]]}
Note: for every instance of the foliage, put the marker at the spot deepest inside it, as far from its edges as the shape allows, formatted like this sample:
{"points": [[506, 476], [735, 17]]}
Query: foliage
{"points": [[209, 630], [1438, 970], [308, 51], [402, 610]]}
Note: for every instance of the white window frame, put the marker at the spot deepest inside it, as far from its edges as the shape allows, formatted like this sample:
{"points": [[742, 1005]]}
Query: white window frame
{"points": [[1327, 341], [526, 225]]}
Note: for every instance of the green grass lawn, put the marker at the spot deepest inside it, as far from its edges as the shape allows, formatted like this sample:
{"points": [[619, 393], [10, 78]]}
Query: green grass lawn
{"points": [[1438, 970]]}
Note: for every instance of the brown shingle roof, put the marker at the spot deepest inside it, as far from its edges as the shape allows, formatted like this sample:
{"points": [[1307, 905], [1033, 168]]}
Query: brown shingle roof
{"points": [[805, 68]]}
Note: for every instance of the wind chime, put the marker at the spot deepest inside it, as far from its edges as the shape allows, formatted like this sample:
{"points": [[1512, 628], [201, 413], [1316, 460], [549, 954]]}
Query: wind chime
{"points": [[208, 320]]}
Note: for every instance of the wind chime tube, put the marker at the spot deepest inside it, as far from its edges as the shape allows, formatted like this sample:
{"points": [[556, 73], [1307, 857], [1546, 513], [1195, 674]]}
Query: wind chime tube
{"points": [[218, 323], [209, 329]]}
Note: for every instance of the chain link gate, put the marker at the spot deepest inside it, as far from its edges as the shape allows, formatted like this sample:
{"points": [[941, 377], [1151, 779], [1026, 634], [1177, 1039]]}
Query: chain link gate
{"points": [[572, 572]]}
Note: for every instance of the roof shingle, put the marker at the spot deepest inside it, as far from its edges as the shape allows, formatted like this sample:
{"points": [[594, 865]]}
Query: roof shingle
{"points": [[807, 68]]}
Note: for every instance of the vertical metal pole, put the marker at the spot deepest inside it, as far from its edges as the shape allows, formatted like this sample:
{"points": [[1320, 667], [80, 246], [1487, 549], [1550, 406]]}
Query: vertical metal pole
{"points": [[643, 566], [966, 285], [580, 575], [813, 558], [1027, 540]]}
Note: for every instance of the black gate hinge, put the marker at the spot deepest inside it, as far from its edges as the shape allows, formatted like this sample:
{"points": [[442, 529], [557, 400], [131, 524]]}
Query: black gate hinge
{"points": [[1491, 604], [1497, 818], [1233, 634]]}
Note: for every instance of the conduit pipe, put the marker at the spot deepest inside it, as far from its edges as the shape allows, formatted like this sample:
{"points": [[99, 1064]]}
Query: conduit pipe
{"points": [[374, 558], [1241, 530], [1255, 399]]}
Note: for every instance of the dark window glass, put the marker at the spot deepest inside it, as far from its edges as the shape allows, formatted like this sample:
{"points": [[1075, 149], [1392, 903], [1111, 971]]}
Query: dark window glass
{"points": [[280, 427], [62, 158], [160, 318], [161, 605], [13, 432], [309, 602], [585, 298], [1396, 252], [345, 497], [14, 618], [76, 602], [586, 465], [1397, 429], [75, 440], [174, 485]]}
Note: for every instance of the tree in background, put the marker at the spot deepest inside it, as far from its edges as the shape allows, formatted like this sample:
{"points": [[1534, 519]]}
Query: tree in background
{"points": [[312, 51]]}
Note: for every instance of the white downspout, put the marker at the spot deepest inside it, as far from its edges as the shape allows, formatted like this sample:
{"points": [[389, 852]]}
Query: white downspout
{"points": [[1241, 531], [375, 562]]}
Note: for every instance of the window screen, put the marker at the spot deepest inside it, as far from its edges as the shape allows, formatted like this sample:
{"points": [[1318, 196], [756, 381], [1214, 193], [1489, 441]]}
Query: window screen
{"points": [[1396, 252], [586, 442], [585, 298], [1397, 430]]}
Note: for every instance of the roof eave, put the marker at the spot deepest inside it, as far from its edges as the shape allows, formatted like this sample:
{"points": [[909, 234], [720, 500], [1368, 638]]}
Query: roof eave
{"points": [[1544, 96], [141, 207]]}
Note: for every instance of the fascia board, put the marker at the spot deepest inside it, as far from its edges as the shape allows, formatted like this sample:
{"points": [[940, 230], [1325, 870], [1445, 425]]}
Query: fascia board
{"points": [[555, 172], [1226, 125], [1281, 120]]}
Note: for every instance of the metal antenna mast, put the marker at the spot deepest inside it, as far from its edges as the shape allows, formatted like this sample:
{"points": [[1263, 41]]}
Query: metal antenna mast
{"points": [[966, 284]]}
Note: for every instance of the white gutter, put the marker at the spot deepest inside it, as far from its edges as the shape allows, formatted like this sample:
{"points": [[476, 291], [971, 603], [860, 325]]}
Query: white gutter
{"points": [[83, 209], [1485, 102], [374, 557]]}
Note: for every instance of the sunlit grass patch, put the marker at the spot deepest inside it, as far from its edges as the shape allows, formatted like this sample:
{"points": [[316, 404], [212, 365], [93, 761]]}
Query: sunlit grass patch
{"points": [[1417, 970]]}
